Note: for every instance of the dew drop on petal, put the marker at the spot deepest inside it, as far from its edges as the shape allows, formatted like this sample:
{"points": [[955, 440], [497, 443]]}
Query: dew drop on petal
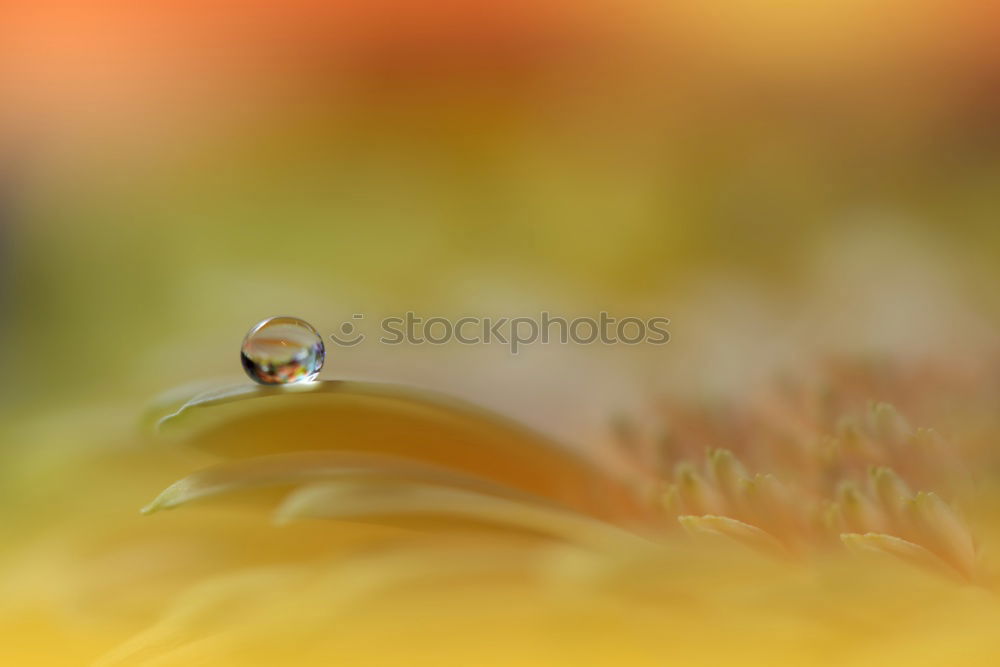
{"points": [[282, 350]]}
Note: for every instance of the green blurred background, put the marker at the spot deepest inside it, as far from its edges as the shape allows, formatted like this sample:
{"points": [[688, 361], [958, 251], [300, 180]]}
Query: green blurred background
{"points": [[777, 178]]}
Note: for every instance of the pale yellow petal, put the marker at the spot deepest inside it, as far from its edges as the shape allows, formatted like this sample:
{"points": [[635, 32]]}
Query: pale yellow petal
{"points": [[437, 508], [243, 421], [283, 471], [739, 531], [899, 548]]}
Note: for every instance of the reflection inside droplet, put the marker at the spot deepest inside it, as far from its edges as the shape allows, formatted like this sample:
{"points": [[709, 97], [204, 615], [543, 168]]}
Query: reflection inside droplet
{"points": [[282, 350]]}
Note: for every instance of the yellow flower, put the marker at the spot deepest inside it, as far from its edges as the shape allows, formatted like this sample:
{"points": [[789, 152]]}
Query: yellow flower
{"points": [[356, 523]]}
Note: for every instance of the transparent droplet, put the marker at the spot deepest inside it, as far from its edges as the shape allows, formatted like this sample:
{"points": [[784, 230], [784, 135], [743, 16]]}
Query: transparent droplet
{"points": [[282, 350]]}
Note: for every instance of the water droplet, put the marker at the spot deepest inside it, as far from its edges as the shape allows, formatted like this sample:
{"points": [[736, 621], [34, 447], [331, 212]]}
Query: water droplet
{"points": [[282, 350]]}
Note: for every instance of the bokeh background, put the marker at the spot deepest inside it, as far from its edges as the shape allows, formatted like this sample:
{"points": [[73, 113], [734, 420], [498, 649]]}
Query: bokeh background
{"points": [[768, 175], [783, 180]]}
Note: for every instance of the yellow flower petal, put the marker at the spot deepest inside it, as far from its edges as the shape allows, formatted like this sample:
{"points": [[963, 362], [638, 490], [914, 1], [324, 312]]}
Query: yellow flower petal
{"points": [[743, 533], [432, 505], [899, 548], [286, 470], [249, 420], [944, 533]]}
